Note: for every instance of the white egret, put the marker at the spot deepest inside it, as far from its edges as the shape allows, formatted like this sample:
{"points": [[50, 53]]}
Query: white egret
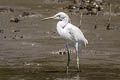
{"points": [[69, 32]]}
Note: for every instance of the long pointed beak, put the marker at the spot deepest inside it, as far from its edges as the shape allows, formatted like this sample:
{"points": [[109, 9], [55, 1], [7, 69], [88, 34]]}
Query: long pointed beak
{"points": [[48, 18]]}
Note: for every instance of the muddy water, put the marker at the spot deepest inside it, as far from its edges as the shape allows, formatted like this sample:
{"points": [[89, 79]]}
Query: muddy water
{"points": [[29, 49]]}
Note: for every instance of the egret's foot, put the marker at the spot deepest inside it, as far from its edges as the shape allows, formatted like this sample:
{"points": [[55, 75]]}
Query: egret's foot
{"points": [[79, 70], [78, 67], [67, 69]]}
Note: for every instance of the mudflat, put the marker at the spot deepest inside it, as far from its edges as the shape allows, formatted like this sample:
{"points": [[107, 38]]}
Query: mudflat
{"points": [[30, 48]]}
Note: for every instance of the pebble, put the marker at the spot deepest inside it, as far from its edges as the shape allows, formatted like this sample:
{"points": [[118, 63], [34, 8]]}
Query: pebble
{"points": [[21, 36], [16, 20], [15, 30], [5, 37]]}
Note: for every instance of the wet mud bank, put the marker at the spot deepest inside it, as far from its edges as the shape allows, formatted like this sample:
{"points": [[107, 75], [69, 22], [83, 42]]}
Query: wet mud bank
{"points": [[31, 49]]}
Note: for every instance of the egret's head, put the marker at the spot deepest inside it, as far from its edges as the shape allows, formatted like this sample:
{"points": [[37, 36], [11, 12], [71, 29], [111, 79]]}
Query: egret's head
{"points": [[60, 16]]}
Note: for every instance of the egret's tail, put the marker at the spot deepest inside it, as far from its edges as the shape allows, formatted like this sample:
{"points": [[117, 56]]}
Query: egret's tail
{"points": [[85, 42]]}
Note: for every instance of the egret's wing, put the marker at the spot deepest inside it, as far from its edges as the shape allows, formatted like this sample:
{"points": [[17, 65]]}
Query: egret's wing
{"points": [[70, 31], [76, 34]]}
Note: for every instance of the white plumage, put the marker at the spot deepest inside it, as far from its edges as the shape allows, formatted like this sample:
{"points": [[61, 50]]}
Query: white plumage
{"points": [[69, 32]]}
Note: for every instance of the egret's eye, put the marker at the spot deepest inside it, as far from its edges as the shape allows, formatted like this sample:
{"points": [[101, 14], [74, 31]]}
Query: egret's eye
{"points": [[58, 16]]}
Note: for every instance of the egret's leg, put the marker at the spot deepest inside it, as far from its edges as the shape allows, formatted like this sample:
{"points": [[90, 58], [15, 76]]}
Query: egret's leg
{"points": [[68, 55], [77, 55]]}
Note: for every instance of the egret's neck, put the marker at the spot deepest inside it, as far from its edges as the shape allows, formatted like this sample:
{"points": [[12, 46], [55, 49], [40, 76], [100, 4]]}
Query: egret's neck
{"points": [[63, 22], [66, 20]]}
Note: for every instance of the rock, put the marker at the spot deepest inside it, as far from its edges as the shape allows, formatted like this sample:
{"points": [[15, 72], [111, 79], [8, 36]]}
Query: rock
{"points": [[11, 10], [109, 27], [25, 14], [94, 11], [16, 20]]}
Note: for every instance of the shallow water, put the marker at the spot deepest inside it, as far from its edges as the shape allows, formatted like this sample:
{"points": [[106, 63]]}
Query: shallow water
{"points": [[93, 73], [31, 56]]}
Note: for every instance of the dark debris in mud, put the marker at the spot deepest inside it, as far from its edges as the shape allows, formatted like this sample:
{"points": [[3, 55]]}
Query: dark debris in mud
{"points": [[34, 40], [62, 52], [16, 20], [6, 10], [23, 16], [88, 7]]}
